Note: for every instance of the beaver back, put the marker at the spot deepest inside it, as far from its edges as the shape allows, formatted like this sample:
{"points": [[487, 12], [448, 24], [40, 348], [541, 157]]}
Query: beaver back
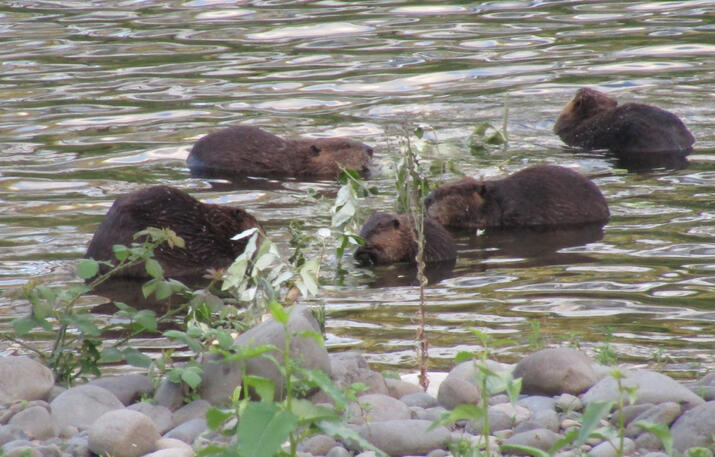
{"points": [[206, 229]]}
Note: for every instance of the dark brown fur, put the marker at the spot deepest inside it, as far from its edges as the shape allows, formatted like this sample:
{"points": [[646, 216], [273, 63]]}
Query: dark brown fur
{"points": [[540, 196], [206, 229], [592, 120], [389, 239], [250, 151]]}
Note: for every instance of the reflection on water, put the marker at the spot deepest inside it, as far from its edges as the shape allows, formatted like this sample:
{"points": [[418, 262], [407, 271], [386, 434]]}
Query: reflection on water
{"points": [[101, 99]]}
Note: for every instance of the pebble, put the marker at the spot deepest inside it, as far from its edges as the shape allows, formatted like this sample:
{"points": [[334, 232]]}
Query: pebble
{"points": [[404, 437], [351, 367], [317, 445], [555, 371], [568, 402], [421, 399], [664, 413], [380, 407], [188, 431], [607, 449], [160, 415], [127, 388], [123, 433], [539, 438], [80, 406], [455, 391], [398, 388], [36, 422], [193, 410], [22, 378], [338, 451], [694, 428]]}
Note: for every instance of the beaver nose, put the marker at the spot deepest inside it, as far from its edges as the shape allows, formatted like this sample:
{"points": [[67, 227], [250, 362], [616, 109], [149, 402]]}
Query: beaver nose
{"points": [[364, 255], [369, 151]]}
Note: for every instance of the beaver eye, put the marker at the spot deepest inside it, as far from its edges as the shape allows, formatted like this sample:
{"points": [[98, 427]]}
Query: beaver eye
{"points": [[315, 150], [396, 223]]}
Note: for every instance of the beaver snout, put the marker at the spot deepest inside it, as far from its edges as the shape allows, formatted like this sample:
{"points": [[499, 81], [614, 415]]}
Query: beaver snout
{"points": [[365, 255]]}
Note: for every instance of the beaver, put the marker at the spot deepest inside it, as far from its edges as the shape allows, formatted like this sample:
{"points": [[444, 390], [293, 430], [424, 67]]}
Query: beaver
{"points": [[592, 120], [389, 239], [246, 150], [206, 229], [538, 196]]}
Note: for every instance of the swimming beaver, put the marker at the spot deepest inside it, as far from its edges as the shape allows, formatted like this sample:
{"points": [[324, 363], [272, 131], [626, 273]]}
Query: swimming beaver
{"points": [[389, 239], [250, 151], [592, 120], [539, 196], [206, 229]]}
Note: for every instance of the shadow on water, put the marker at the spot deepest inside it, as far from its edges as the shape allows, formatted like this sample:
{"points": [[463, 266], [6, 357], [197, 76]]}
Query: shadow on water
{"points": [[533, 247]]}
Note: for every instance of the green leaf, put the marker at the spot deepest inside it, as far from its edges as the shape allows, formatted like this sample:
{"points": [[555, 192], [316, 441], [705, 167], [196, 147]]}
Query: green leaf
{"points": [[23, 325], [320, 379], [568, 438], [191, 376], [146, 318], [309, 413], [111, 355], [149, 287], [87, 268], [217, 417], [84, 324], [596, 411], [121, 252], [136, 358], [464, 411], [263, 428], [163, 290], [523, 449], [661, 431], [153, 268], [463, 356], [278, 313], [264, 388], [315, 336], [192, 343]]}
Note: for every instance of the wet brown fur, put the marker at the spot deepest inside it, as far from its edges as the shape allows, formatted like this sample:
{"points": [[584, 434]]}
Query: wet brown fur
{"points": [[539, 196], [250, 151], [592, 120], [389, 239], [206, 229]]}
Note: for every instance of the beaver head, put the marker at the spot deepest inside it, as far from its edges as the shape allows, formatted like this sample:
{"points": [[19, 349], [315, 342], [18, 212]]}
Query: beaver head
{"points": [[323, 156], [461, 204], [586, 104], [389, 238]]}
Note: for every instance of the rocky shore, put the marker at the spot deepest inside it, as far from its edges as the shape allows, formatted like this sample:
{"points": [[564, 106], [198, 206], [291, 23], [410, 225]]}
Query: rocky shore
{"points": [[126, 416]]}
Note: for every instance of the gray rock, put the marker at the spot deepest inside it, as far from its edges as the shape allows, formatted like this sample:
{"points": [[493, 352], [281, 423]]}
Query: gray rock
{"points": [[421, 399], [652, 388], [648, 441], [80, 406], [705, 387], [515, 412], [498, 420], [607, 449], [656, 454], [22, 378], [537, 403], [36, 422], [555, 371], [78, 445], [404, 437], [398, 388], [379, 407], [539, 438], [664, 413], [9, 433], [338, 451], [219, 379], [21, 448], [455, 391], [568, 402], [630, 412], [127, 388], [188, 431], [547, 419], [172, 443], [170, 395], [695, 427], [351, 367], [430, 414], [438, 453], [317, 445], [194, 410], [123, 433], [160, 415]]}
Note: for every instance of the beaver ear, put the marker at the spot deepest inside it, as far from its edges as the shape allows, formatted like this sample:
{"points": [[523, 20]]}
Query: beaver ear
{"points": [[314, 150]]}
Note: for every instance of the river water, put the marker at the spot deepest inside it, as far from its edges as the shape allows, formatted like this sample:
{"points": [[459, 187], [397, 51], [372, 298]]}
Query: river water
{"points": [[100, 98]]}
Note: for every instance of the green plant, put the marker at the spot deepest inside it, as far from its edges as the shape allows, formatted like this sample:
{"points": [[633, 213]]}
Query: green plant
{"points": [[78, 348], [263, 426], [485, 134], [605, 354], [536, 340], [490, 383]]}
